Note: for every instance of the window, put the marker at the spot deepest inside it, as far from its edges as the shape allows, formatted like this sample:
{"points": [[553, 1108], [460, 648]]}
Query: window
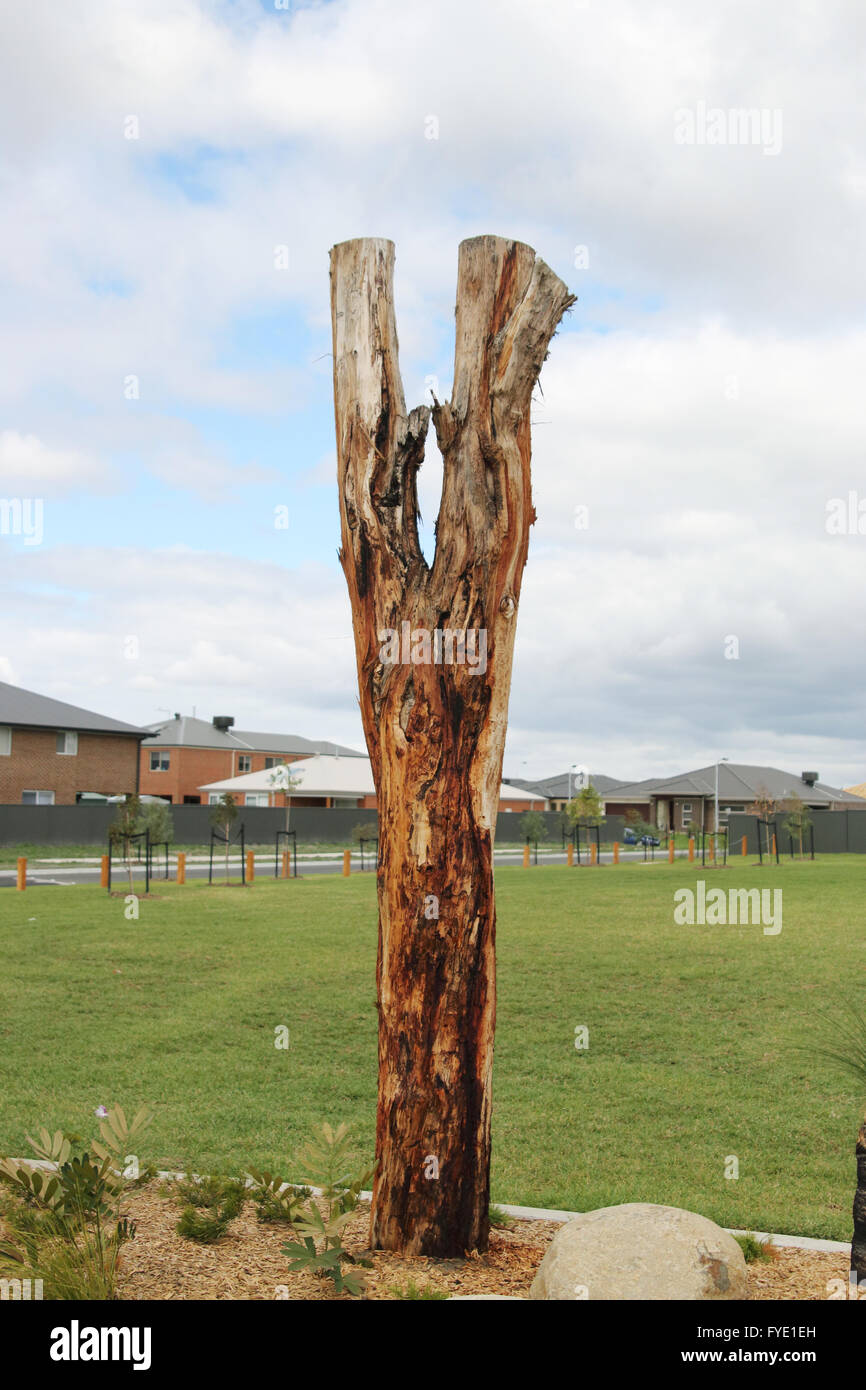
{"points": [[245, 763], [256, 799], [272, 762], [213, 798], [67, 744], [731, 810], [159, 761], [687, 808], [5, 741], [37, 798]]}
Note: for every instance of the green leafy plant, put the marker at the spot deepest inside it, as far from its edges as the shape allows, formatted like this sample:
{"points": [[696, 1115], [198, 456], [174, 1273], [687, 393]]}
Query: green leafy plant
{"points": [[204, 1227], [798, 820], [323, 1160], [209, 1204], [754, 1250], [417, 1291], [223, 815], [498, 1217], [586, 808], [533, 826], [126, 825], [210, 1192], [157, 818], [66, 1216], [274, 1199]]}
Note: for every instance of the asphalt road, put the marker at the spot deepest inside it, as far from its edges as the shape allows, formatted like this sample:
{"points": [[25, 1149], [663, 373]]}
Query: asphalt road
{"points": [[67, 875]]}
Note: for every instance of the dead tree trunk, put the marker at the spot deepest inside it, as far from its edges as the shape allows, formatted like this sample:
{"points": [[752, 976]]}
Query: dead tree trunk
{"points": [[435, 723], [858, 1240]]}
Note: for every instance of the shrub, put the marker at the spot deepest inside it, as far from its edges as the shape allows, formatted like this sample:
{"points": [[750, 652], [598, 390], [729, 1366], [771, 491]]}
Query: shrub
{"points": [[209, 1204], [417, 1291], [754, 1249], [205, 1227], [275, 1200], [323, 1162], [67, 1220]]}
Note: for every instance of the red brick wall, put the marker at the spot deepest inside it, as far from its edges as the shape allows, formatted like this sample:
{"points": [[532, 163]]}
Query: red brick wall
{"points": [[622, 808], [105, 763], [191, 768]]}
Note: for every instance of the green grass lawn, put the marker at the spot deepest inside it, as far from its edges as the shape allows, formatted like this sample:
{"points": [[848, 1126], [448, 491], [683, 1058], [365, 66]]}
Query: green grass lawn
{"points": [[704, 1041]]}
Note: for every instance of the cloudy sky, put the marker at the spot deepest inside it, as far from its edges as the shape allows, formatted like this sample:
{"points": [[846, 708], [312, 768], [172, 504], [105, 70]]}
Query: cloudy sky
{"points": [[174, 174]]}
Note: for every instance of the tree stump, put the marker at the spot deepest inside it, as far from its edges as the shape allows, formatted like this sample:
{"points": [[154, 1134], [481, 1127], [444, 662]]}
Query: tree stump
{"points": [[434, 647]]}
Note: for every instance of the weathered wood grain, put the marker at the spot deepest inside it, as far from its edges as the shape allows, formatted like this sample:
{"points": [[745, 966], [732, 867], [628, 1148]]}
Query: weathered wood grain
{"points": [[436, 731]]}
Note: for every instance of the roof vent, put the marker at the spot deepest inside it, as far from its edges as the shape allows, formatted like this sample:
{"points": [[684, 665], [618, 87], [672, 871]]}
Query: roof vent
{"points": [[810, 778], [223, 721], [177, 714]]}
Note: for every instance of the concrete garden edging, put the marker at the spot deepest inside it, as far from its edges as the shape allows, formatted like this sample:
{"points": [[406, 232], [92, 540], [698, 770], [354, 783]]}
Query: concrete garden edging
{"points": [[546, 1214]]}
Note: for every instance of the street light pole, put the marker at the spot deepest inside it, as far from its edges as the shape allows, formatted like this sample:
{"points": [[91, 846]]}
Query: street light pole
{"points": [[718, 761]]}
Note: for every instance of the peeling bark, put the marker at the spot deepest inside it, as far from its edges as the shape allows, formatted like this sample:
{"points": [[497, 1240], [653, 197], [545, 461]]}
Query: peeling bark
{"points": [[858, 1241], [435, 730]]}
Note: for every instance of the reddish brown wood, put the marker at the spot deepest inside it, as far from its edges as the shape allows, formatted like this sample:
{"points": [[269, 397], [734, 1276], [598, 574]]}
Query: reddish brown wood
{"points": [[436, 731]]}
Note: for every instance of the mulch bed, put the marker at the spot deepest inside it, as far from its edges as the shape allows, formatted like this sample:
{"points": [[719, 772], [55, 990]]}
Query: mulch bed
{"points": [[248, 1264]]}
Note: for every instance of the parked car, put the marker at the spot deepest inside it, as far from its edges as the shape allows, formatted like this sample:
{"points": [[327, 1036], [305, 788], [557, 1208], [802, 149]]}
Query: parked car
{"points": [[629, 838]]}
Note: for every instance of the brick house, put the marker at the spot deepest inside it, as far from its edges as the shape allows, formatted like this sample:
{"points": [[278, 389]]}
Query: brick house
{"points": [[182, 755], [689, 798], [53, 753], [322, 780]]}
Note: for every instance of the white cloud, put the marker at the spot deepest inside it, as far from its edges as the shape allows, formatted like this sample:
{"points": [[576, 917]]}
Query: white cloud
{"points": [[703, 401], [29, 466]]}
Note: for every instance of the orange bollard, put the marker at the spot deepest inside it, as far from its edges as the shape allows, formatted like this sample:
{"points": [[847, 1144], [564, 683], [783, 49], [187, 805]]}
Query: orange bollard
{"points": [[181, 866], [22, 875], [616, 851], [103, 873], [593, 854], [712, 851], [285, 863], [526, 856], [569, 852], [347, 862], [744, 847], [670, 851], [774, 848], [691, 850], [251, 865]]}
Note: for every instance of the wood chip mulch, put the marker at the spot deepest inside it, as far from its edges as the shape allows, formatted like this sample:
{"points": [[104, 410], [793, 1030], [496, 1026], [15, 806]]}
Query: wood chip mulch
{"points": [[248, 1264]]}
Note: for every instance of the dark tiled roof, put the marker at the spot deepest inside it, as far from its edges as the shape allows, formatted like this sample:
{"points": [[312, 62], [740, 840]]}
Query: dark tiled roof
{"points": [[556, 788], [24, 708], [187, 732], [738, 782]]}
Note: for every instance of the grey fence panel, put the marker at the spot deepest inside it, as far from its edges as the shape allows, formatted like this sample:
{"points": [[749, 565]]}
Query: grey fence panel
{"points": [[88, 825], [856, 831], [836, 832], [55, 825]]}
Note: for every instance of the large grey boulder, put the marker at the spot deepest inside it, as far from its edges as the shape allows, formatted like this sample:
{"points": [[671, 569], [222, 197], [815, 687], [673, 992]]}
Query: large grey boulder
{"points": [[641, 1251]]}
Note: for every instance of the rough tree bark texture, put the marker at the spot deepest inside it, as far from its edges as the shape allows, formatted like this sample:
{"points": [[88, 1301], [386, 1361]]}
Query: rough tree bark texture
{"points": [[435, 730], [858, 1242]]}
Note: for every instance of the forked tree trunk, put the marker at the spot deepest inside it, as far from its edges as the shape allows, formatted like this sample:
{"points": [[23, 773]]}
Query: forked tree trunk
{"points": [[435, 728]]}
